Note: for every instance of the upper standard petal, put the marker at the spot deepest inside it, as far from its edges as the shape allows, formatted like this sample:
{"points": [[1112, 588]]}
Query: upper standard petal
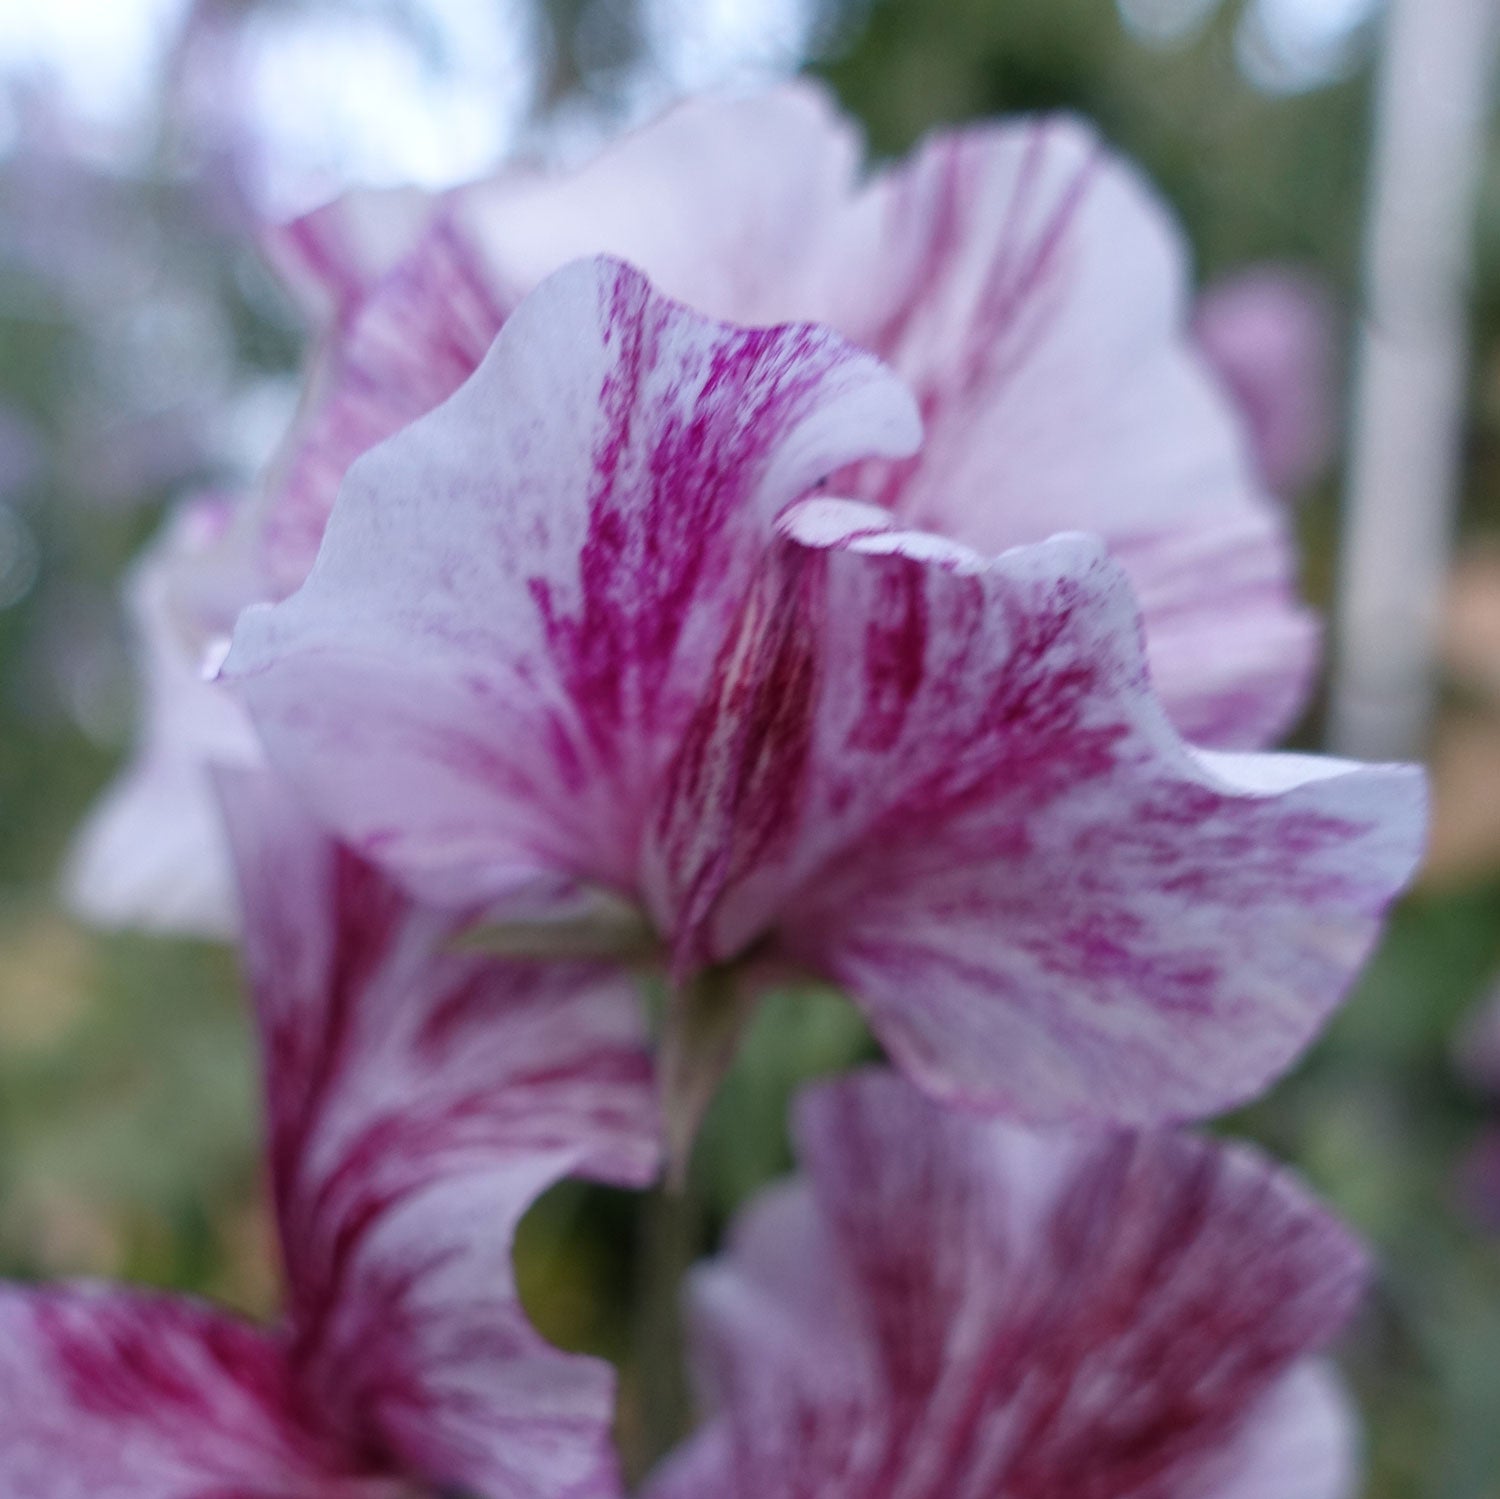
{"points": [[519, 598], [1022, 278]]}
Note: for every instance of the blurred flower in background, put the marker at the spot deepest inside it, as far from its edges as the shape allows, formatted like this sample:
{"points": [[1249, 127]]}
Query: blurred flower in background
{"points": [[1269, 332]]}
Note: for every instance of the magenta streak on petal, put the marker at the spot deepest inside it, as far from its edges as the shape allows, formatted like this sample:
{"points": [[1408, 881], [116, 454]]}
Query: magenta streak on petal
{"points": [[521, 597], [366, 911], [945, 784], [946, 1307], [419, 1100], [134, 1395], [1011, 290], [647, 558], [417, 335], [735, 788], [1025, 285], [113, 1366], [311, 240]]}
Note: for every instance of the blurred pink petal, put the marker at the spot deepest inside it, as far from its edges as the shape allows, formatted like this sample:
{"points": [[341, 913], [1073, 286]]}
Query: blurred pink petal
{"points": [[152, 852], [944, 1306], [418, 1102], [1024, 281], [554, 637], [332, 258], [1026, 284], [1268, 333], [1034, 292], [111, 1394]]}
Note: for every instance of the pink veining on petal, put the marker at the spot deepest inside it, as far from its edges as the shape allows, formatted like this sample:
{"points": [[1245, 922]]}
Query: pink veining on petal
{"points": [[334, 257], [108, 1394], [1268, 332], [402, 347], [1018, 276], [1034, 293], [1022, 279], [952, 1308], [946, 784], [520, 597], [418, 1101]]}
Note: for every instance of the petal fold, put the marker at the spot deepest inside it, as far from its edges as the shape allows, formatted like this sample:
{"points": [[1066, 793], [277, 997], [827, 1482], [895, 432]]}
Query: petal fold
{"points": [[151, 853], [1024, 280], [946, 784], [1034, 291]]}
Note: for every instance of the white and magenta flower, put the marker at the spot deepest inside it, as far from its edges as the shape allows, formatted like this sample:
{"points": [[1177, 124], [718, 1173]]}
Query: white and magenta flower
{"points": [[418, 1102], [943, 1308], [1022, 280], [581, 630]]}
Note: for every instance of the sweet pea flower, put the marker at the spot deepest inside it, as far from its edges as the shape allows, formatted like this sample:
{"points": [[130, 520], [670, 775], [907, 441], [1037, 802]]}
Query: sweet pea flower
{"points": [[579, 635], [418, 1100], [1269, 334], [1025, 283], [943, 1308]]}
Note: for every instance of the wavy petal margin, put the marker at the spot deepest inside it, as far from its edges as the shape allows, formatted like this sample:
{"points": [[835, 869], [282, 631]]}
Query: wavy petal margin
{"points": [[520, 596], [946, 784]]}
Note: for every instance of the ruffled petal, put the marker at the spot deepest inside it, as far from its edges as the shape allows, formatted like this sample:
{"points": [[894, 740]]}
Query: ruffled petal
{"points": [[1023, 279], [519, 597], [1006, 1313], [419, 1101], [721, 201], [1033, 291], [731, 204], [1301, 1442], [946, 784], [394, 354], [111, 1395], [332, 258]]}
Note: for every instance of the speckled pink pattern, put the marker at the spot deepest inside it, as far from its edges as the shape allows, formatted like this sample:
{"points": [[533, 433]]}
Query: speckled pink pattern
{"points": [[606, 484], [572, 629], [418, 1102], [946, 784], [948, 1309]]}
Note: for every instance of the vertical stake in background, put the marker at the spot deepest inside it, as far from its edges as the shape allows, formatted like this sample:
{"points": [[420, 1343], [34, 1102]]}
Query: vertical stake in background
{"points": [[1410, 380]]}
